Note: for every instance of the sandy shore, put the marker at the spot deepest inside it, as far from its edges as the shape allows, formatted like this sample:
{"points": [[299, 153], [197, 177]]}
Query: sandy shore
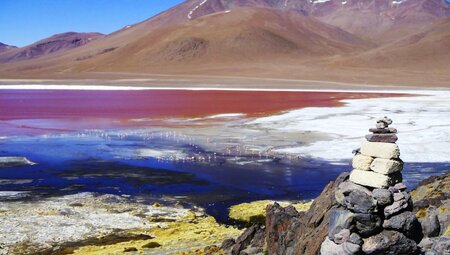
{"points": [[135, 80]]}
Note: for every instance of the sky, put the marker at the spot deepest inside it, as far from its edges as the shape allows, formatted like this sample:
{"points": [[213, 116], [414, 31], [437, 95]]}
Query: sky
{"points": [[23, 22]]}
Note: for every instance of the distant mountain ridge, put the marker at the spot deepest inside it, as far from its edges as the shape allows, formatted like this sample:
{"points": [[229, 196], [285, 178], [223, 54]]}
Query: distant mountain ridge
{"points": [[378, 40], [56, 43], [366, 18], [5, 47]]}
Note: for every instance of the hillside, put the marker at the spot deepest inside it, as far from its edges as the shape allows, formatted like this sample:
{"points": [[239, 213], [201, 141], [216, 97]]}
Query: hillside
{"points": [[5, 47], [56, 43], [354, 41]]}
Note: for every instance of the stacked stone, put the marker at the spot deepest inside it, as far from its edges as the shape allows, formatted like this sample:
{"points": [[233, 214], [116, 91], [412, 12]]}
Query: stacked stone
{"points": [[375, 210]]}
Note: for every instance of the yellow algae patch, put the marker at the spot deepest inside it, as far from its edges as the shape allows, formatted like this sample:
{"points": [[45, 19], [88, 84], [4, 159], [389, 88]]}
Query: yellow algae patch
{"points": [[113, 249], [187, 234], [256, 211], [447, 232], [201, 232], [422, 213]]}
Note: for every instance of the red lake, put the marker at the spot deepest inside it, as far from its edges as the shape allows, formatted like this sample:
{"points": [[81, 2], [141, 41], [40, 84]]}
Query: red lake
{"points": [[38, 111]]}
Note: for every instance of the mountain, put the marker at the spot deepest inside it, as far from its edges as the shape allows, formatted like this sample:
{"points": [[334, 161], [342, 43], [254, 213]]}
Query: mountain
{"points": [[426, 50], [379, 20], [246, 34], [5, 47], [56, 43], [225, 38], [357, 41]]}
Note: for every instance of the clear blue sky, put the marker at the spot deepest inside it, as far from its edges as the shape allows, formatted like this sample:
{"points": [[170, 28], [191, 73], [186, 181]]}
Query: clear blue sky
{"points": [[23, 22]]}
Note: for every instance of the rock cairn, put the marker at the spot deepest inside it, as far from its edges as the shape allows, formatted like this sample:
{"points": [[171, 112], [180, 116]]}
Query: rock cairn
{"points": [[375, 213]]}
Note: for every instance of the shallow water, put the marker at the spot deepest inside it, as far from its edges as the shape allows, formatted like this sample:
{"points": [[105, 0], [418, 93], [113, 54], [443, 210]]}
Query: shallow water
{"points": [[71, 164], [153, 146]]}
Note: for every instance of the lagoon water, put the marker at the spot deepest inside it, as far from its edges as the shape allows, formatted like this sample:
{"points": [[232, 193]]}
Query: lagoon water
{"points": [[91, 142]]}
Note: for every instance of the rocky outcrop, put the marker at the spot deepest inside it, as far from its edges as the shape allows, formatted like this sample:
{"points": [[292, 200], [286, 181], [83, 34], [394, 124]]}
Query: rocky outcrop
{"points": [[375, 214], [432, 207], [288, 231], [255, 212], [361, 215]]}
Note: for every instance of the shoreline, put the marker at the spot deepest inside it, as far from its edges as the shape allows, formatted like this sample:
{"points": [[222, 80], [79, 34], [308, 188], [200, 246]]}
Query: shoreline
{"points": [[193, 88]]}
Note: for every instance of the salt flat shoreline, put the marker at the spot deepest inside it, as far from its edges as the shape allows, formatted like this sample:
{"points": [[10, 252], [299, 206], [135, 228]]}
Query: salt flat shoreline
{"points": [[427, 91]]}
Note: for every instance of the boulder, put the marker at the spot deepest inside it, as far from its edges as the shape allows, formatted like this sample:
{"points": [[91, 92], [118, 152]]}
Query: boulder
{"points": [[342, 237], [397, 207], [304, 233], [380, 150], [252, 237], [328, 247], [406, 223], [430, 222], [434, 191], [400, 186], [401, 195], [227, 244], [281, 229], [426, 243], [356, 198], [389, 243], [386, 166], [362, 162], [382, 138], [374, 180], [339, 220], [442, 246], [383, 197], [367, 224], [356, 239]]}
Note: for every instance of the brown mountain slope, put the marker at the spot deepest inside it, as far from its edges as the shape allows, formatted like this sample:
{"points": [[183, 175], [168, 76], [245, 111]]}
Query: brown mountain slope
{"points": [[242, 35], [384, 20], [56, 43], [5, 47], [378, 20], [427, 50], [288, 39]]}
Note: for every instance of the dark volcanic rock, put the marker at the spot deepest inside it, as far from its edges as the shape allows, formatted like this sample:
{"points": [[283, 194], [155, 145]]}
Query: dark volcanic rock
{"points": [[339, 220], [227, 244], [406, 223], [281, 226], [431, 192], [356, 239], [383, 130], [397, 207], [382, 138], [367, 224], [356, 198], [430, 223], [383, 196], [253, 237], [389, 243], [442, 246], [304, 233]]}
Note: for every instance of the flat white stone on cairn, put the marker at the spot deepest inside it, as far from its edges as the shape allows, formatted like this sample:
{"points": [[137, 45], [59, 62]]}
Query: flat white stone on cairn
{"points": [[385, 166], [374, 215]]}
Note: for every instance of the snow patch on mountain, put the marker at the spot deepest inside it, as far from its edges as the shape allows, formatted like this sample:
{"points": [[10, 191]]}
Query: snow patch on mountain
{"points": [[189, 16]]}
